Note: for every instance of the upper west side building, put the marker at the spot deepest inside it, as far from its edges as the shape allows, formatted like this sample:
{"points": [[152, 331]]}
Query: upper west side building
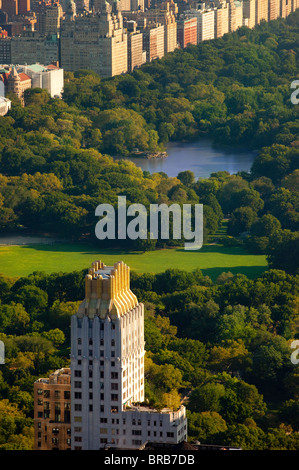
{"points": [[165, 17], [221, 18], [107, 369], [205, 21], [235, 15], [261, 10], [95, 41], [136, 54], [249, 16], [153, 41], [273, 9], [32, 47], [187, 31]]}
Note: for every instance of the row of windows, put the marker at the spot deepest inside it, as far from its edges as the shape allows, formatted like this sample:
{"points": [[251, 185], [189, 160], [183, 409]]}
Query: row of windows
{"points": [[90, 352], [57, 393], [91, 324], [113, 397], [55, 441], [91, 363], [90, 341]]}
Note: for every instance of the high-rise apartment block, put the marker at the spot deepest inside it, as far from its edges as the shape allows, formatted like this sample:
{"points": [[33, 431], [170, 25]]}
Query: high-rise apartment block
{"points": [[235, 15], [205, 22], [273, 9], [107, 369], [136, 54], [95, 41], [153, 41], [52, 408], [261, 11], [249, 13], [48, 18], [33, 47], [221, 9], [187, 31]]}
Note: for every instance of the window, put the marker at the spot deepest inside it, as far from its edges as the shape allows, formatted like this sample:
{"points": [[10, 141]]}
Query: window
{"points": [[170, 434], [78, 395], [77, 384], [67, 395], [114, 386], [77, 373], [114, 375], [114, 396], [78, 407]]}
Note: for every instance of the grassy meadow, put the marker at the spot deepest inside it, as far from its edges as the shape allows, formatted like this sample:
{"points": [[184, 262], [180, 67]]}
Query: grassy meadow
{"points": [[21, 260]]}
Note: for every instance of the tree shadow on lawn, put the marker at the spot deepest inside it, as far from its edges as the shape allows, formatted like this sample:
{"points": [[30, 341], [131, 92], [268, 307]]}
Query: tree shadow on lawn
{"points": [[79, 248], [251, 272]]}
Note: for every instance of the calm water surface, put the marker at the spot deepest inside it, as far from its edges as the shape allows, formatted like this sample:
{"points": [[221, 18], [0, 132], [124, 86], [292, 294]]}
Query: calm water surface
{"points": [[200, 157]]}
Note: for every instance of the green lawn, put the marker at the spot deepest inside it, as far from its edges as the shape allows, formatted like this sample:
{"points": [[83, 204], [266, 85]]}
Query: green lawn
{"points": [[22, 260]]}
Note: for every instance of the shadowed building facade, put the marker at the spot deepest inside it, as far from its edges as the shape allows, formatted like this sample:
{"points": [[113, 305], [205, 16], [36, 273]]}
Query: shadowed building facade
{"points": [[52, 407]]}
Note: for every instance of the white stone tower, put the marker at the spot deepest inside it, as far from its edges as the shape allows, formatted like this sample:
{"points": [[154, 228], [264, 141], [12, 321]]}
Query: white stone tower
{"points": [[107, 368]]}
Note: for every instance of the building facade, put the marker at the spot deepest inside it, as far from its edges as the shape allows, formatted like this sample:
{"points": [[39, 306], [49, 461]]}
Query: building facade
{"points": [[261, 11], [33, 47], [205, 22], [107, 369], [187, 31], [96, 42], [249, 16], [153, 41], [52, 407], [136, 55], [221, 18]]}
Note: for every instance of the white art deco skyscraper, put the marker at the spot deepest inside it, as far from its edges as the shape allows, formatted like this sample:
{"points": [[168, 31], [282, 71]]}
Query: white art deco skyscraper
{"points": [[107, 369]]}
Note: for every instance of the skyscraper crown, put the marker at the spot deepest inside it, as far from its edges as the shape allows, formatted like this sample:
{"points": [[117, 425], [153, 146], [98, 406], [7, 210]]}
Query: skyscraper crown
{"points": [[107, 291]]}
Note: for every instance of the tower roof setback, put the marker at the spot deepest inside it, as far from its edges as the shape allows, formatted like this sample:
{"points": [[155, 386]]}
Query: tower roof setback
{"points": [[107, 291]]}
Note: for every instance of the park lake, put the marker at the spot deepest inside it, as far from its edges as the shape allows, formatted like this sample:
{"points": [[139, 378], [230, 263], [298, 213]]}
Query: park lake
{"points": [[201, 157]]}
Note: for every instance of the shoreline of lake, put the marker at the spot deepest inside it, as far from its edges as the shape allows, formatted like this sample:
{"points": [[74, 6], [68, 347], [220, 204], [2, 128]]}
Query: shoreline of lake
{"points": [[202, 157]]}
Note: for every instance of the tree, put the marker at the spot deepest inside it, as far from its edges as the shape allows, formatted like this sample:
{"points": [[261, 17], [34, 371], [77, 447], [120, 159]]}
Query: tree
{"points": [[283, 251], [241, 220], [206, 398], [203, 426], [187, 177], [56, 336]]}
